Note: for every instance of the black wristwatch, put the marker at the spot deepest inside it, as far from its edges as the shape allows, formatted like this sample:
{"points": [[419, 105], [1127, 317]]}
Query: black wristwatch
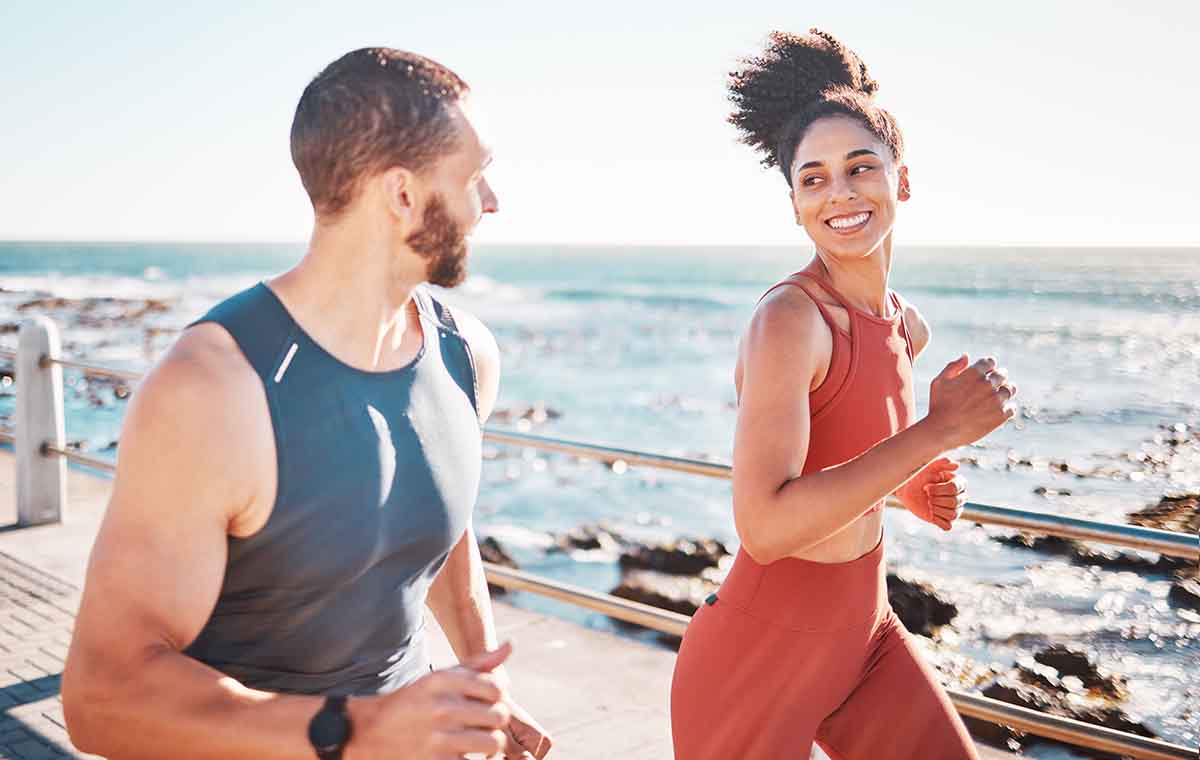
{"points": [[329, 731]]}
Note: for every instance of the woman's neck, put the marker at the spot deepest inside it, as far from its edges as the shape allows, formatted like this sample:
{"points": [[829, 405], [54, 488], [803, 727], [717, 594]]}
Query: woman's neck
{"points": [[862, 280]]}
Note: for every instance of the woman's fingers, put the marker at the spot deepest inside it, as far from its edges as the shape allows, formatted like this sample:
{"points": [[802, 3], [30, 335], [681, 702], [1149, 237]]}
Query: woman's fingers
{"points": [[946, 514], [950, 487]]}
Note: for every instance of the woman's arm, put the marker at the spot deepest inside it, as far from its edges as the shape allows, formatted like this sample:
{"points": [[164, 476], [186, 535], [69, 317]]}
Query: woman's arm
{"points": [[779, 513]]}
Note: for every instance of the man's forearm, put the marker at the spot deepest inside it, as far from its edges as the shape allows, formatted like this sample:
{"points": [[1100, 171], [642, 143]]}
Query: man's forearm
{"points": [[171, 705], [461, 603]]}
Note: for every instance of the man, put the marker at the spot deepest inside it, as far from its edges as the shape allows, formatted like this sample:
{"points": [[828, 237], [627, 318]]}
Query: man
{"points": [[297, 475]]}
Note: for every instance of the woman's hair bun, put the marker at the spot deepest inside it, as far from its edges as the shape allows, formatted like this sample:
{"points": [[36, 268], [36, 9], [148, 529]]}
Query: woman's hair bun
{"points": [[792, 73]]}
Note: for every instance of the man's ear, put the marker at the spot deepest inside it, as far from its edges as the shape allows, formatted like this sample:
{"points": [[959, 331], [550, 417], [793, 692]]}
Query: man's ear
{"points": [[397, 187], [905, 191]]}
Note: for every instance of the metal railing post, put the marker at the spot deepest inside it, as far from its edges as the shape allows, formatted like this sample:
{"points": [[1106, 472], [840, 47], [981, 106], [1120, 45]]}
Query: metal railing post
{"points": [[41, 479]]}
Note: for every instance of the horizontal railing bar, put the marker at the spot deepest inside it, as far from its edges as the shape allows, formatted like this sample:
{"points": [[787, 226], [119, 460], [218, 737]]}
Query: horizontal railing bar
{"points": [[96, 371], [1067, 730], [610, 454], [612, 606], [75, 456], [84, 367], [1129, 536]]}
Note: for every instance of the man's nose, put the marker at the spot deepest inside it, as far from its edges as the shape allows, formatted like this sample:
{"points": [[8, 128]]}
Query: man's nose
{"points": [[491, 204]]}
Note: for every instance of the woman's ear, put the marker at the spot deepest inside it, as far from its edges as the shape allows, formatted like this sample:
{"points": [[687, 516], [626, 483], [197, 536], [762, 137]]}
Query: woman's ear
{"points": [[795, 211], [905, 191]]}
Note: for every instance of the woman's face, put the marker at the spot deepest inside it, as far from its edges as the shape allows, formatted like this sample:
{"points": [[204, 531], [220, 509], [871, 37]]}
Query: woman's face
{"points": [[845, 186]]}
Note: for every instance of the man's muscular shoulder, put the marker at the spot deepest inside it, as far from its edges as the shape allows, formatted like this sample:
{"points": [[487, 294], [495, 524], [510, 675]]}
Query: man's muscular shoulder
{"points": [[202, 411], [486, 353]]}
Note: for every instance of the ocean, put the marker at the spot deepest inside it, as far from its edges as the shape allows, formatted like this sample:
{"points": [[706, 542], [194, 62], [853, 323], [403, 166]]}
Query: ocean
{"points": [[635, 347]]}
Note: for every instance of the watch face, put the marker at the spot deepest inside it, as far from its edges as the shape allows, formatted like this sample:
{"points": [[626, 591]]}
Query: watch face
{"points": [[329, 730]]}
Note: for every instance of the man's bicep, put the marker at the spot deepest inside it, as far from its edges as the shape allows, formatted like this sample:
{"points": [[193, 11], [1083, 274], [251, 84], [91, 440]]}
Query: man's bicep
{"points": [[149, 585], [159, 559]]}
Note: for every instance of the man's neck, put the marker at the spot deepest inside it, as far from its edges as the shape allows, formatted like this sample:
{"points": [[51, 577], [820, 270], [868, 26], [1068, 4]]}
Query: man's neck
{"points": [[351, 293]]}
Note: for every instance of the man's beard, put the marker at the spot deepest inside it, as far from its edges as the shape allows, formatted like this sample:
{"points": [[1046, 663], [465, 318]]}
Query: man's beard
{"points": [[441, 241]]}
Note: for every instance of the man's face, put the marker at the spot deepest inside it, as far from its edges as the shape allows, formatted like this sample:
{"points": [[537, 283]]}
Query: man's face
{"points": [[459, 197]]}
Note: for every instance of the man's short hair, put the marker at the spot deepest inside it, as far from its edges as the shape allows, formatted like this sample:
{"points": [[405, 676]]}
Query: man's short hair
{"points": [[368, 111]]}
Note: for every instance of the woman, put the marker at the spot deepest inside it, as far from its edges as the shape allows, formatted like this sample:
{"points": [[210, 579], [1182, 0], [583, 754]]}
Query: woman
{"points": [[800, 644]]}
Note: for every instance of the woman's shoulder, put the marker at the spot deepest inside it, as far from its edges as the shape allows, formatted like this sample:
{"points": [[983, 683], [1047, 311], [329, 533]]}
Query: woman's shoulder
{"points": [[787, 326], [788, 309], [918, 329]]}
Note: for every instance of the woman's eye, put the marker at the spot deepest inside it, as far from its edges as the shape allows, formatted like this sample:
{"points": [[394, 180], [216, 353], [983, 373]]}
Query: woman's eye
{"points": [[860, 169], [811, 181]]}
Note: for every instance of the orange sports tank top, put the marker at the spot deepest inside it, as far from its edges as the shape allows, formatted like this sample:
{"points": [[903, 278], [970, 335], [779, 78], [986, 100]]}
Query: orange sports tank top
{"points": [[867, 395]]}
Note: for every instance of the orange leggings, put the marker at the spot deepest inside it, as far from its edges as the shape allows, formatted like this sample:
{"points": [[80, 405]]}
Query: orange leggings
{"points": [[796, 652]]}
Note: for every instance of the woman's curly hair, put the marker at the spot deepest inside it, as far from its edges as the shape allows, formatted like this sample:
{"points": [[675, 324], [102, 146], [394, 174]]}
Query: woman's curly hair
{"points": [[797, 79]]}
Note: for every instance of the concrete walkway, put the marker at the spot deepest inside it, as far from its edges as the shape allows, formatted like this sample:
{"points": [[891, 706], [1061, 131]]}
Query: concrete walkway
{"points": [[600, 695]]}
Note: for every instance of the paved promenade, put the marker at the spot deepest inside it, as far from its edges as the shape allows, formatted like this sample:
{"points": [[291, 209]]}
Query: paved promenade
{"points": [[600, 695]]}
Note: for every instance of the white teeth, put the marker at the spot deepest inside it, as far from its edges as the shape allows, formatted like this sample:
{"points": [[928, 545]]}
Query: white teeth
{"points": [[842, 222]]}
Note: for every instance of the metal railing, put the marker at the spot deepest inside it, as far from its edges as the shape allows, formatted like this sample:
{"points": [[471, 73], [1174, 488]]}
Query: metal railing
{"points": [[1126, 536], [970, 705]]}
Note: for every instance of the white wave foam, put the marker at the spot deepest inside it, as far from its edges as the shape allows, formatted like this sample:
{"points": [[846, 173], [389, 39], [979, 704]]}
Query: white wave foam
{"points": [[514, 535]]}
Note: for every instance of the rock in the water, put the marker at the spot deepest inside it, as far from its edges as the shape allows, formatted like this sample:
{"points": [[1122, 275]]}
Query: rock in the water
{"points": [[536, 414], [1109, 557], [1038, 543], [1110, 716], [588, 538], [1012, 689], [1035, 689], [491, 551], [676, 593], [1185, 591], [1044, 491], [681, 557], [918, 605], [994, 734], [1089, 553], [1179, 513], [1070, 661]]}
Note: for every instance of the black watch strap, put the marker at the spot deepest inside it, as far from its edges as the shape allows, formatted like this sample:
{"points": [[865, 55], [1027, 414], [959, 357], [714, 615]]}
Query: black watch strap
{"points": [[329, 730]]}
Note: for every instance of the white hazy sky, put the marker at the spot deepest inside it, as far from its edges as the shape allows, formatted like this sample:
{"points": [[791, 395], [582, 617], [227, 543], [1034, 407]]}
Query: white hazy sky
{"points": [[1026, 121]]}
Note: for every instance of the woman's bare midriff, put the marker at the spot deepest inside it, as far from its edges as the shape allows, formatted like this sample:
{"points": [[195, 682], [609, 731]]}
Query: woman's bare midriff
{"points": [[855, 540]]}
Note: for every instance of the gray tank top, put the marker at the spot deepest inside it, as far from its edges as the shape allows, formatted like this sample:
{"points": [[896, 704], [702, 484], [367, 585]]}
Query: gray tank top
{"points": [[377, 476]]}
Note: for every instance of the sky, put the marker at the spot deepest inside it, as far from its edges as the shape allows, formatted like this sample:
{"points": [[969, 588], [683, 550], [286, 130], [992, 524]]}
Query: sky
{"points": [[1027, 121]]}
